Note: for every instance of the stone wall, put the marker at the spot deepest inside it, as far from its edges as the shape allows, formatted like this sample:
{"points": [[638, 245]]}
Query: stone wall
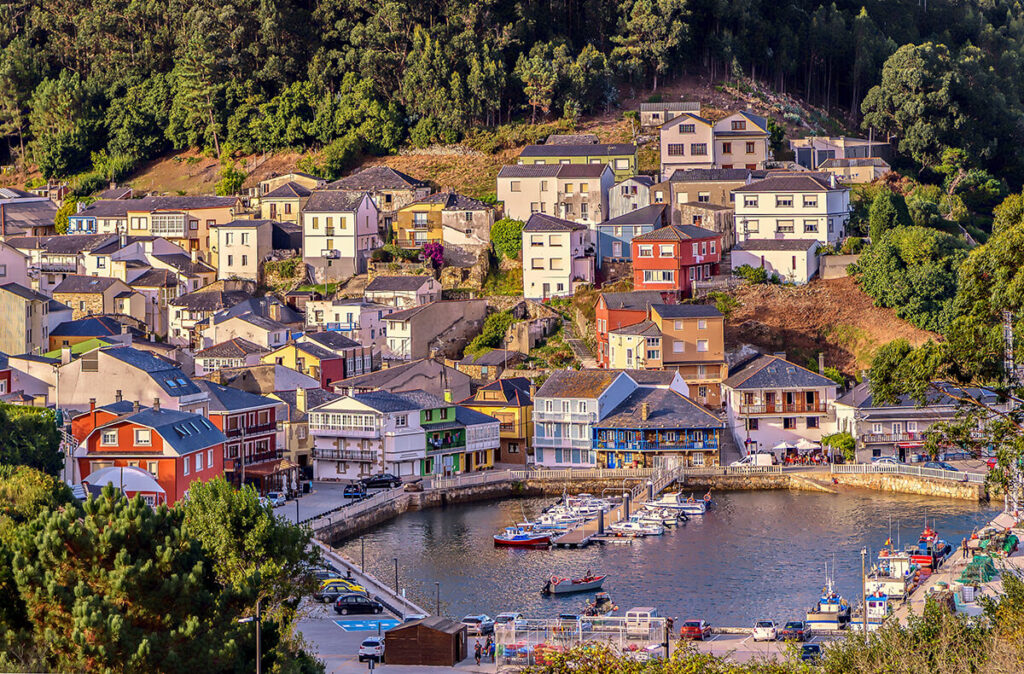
{"points": [[911, 484], [834, 266]]}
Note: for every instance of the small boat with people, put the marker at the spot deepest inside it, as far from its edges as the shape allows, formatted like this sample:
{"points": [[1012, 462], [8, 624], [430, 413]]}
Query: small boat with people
{"points": [[587, 583], [832, 612], [522, 537], [601, 607], [688, 505]]}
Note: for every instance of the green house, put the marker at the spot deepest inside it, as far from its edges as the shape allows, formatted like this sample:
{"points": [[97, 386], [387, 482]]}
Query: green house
{"points": [[621, 157], [445, 440]]}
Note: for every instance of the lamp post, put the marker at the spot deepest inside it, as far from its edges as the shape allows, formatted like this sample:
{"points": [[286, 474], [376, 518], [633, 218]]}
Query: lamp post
{"points": [[438, 585], [864, 588], [362, 554], [396, 575], [258, 619]]}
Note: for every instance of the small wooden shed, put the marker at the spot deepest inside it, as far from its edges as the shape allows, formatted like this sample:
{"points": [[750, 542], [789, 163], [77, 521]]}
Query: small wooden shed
{"points": [[434, 641]]}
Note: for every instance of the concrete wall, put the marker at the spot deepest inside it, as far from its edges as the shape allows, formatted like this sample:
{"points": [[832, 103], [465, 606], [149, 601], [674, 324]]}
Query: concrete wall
{"points": [[911, 484], [834, 266]]}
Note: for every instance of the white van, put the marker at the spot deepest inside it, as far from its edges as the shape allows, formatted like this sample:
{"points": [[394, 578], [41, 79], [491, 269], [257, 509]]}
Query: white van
{"points": [[638, 620], [758, 459]]}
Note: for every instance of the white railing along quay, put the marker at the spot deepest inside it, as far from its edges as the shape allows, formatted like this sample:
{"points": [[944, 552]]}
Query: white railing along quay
{"points": [[918, 471]]}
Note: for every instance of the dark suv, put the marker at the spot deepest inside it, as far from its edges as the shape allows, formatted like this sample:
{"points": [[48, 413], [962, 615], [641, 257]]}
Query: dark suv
{"points": [[381, 480], [357, 603]]}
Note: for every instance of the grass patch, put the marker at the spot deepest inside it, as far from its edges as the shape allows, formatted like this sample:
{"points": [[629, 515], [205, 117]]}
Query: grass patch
{"points": [[854, 339], [504, 282], [325, 289], [555, 353]]}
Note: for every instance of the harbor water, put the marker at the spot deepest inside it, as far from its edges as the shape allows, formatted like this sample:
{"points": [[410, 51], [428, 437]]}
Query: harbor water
{"points": [[755, 555]]}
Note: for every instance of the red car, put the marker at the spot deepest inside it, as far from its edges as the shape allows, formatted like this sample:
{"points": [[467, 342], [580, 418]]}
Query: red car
{"points": [[695, 629]]}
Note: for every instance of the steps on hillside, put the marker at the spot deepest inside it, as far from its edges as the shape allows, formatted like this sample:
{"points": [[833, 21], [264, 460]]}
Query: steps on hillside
{"points": [[729, 451]]}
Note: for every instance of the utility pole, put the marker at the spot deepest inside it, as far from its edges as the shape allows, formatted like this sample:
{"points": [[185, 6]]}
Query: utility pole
{"points": [[258, 619], [864, 588], [438, 612]]}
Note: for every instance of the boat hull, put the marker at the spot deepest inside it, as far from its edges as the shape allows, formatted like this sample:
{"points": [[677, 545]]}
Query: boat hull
{"points": [[531, 542], [571, 588]]}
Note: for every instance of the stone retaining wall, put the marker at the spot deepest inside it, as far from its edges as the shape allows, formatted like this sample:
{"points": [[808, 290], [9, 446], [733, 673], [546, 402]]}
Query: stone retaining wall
{"points": [[912, 484]]}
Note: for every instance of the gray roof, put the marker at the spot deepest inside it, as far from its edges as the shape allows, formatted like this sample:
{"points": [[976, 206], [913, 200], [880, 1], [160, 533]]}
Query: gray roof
{"points": [[687, 310], [332, 340], [114, 193], [529, 170], [105, 208], [288, 190], [210, 300], [541, 222], [666, 409], [316, 351], [494, 357], [637, 300], [227, 399], [860, 396], [776, 372], [375, 178], [452, 201], [681, 106], [333, 201], [583, 150], [705, 175], [653, 215], [643, 180], [396, 283], [169, 377], [647, 328], [468, 417], [677, 233], [582, 170], [20, 217], [182, 432], [179, 203], [314, 398], [259, 306], [184, 263], [577, 383], [242, 222], [73, 283], [651, 377], [62, 243], [854, 162], [790, 182], [232, 348], [385, 401], [259, 321], [158, 278], [23, 292], [776, 244], [383, 379], [571, 139]]}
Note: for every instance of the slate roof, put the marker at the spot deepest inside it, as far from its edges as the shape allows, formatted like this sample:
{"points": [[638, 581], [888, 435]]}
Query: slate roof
{"points": [[707, 206], [93, 326], [468, 417], [210, 300], [184, 263], [677, 233], [316, 351], [382, 378], [113, 244], [541, 222], [383, 284], [156, 278], [243, 223], [452, 201], [14, 193], [332, 340], [571, 139], [53, 306], [288, 190], [385, 401], [648, 215], [529, 170], [776, 372], [62, 244], [169, 377], [647, 328], [181, 203], [377, 178], [856, 161], [791, 182], [776, 244], [227, 399], [687, 116], [651, 377], [21, 217], [74, 283], [647, 181], [704, 175], [582, 170], [236, 347], [582, 150], [636, 300], [23, 292], [687, 310], [259, 306], [333, 201], [259, 321], [114, 193], [105, 208], [860, 396], [666, 409], [682, 106], [494, 357], [406, 314], [576, 383], [515, 392], [182, 432]]}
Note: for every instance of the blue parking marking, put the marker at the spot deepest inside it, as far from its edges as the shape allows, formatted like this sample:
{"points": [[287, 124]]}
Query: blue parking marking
{"points": [[367, 625]]}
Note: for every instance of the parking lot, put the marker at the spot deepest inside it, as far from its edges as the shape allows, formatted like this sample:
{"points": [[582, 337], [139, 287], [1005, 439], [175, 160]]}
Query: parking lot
{"points": [[743, 648], [326, 496]]}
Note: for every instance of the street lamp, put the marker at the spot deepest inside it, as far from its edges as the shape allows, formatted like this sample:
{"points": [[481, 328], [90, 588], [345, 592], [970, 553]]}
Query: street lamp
{"points": [[362, 554], [258, 619], [438, 612], [396, 575]]}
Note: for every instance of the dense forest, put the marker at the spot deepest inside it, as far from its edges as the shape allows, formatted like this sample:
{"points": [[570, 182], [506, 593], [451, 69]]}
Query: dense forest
{"points": [[111, 82]]}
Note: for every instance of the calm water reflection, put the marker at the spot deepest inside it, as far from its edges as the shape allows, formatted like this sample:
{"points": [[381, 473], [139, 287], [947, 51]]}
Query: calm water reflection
{"points": [[757, 554]]}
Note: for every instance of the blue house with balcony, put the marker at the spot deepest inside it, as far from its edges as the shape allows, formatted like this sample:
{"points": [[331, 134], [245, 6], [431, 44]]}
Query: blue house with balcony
{"points": [[614, 237], [108, 216], [657, 422]]}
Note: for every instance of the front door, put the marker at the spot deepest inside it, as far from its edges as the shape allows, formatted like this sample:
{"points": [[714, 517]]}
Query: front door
{"points": [[546, 290], [273, 211], [769, 401]]}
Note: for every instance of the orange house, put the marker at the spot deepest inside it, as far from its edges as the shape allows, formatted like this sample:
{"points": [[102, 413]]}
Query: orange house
{"points": [[177, 448]]}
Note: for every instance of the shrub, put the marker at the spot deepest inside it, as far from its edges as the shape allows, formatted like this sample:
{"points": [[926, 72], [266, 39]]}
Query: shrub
{"points": [[755, 275], [724, 303], [888, 211], [835, 375], [87, 184], [380, 255], [844, 443], [434, 253], [507, 238], [493, 333], [852, 246], [231, 180]]}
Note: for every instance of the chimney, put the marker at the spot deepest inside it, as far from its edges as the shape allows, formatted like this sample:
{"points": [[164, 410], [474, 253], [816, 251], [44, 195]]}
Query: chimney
{"points": [[124, 329], [300, 399], [92, 404], [118, 397], [447, 395], [195, 255], [156, 404], [135, 406], [821, 362], [780, 354], [122, 239], [275, 311], [65, 355], [645, 411], [533, 391]]}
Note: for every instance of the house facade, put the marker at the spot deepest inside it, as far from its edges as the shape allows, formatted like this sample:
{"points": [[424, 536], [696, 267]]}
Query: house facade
{"points": [[689, 141], [673, 258], [773, 401], [576, 192], [813, 151], [793, 260], [412, 332], [620, 157], [693, 343], [106, 216], [359, 320], [509, 401], [185, 221], [339, 231], [284, 203], [653, 115], [239, 247], [91, 295], [615, 236], [557, 257], [793, 206], [629, 195], [234, 352], [617, 310], [25, 328], [403, 292], [423, 221], [389, 189]]}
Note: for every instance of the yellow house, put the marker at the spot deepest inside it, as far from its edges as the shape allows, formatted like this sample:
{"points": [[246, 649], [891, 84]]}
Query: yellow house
{"points": [[510, 401], [309, 359], [285, 203], [420, 223], [184, 221]]}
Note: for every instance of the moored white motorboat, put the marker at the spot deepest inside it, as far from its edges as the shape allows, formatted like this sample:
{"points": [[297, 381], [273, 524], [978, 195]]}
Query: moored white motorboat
{"points": [[521, 537], [675, 501], [633, 527], [588, 583]]}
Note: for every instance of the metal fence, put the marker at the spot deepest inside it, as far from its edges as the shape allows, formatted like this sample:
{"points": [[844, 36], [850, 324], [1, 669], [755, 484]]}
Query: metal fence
{"points": [[917, 471], [536, 642]]}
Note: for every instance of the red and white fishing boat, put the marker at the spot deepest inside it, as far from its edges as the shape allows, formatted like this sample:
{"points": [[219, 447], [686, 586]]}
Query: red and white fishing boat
{"points": [[930, 550], [519, 537]]}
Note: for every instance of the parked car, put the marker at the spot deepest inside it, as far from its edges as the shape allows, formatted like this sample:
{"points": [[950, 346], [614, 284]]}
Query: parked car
{"points": [[507, 619], [695, 629], [941, 465], [756, 459], [323, 574], [332, 588], [357, 603], [372, 648], [794, 630], [888, 460], [810, 653], [381, 480], [354, 490], [478, 624], [276, 498], [764, 630]]}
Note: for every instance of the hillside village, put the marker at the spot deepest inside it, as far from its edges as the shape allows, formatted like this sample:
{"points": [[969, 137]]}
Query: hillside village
{"points": [[381, 323]]}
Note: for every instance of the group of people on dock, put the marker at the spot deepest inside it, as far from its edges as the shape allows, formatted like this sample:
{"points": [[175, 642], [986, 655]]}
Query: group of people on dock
{"points": [[484, 650]]}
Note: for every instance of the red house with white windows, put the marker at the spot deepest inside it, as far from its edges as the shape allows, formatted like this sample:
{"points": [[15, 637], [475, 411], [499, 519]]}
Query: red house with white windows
{"points": [[177, 448], [673, 257], [618, 310]]}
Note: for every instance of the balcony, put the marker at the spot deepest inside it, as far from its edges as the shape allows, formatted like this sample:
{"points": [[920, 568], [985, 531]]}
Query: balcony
{"points": [[345, 455], [454, 444], [785, 408], [565, 417], [342, 327], [560, 442], [889, 438], [257, 429], [235, 464], [655, 446], [58, 266]]}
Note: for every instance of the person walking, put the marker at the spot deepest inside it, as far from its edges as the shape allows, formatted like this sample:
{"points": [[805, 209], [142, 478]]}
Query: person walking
{"points": [[476, 651], [491, 649], [963, 549]]}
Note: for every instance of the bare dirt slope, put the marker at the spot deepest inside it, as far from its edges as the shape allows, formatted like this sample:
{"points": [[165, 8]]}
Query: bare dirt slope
{"points": [[832, 316]]}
